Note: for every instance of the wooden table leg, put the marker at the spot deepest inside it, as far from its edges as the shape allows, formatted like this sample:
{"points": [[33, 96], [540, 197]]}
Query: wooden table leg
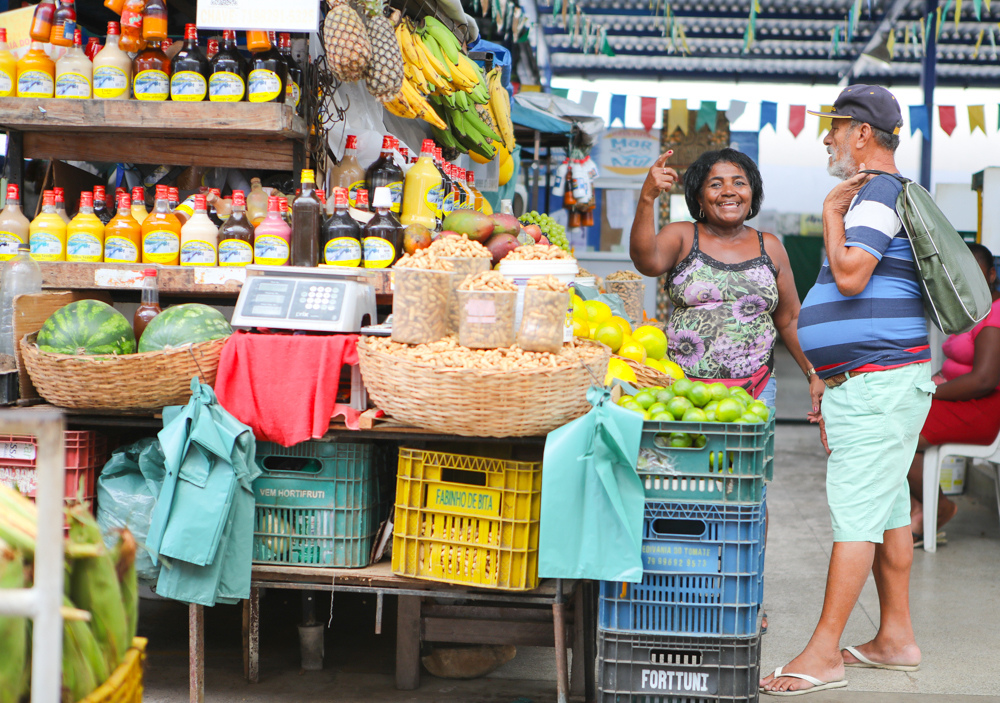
{"points": [[251, 636], [196, 653], [559, 623], [408, 643], [578, 678]]}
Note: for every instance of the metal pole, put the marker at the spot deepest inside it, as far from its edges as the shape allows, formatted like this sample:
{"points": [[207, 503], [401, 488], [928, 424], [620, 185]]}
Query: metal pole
{"points": [[927, 81]]}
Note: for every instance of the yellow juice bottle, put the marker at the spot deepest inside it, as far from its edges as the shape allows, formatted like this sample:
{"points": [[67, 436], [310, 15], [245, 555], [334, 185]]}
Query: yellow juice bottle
{"points": [[8, 67], [139, 212], [36, 73], [422, 195], [161, 233], [85, 233], [47, 232], [123, 235]]}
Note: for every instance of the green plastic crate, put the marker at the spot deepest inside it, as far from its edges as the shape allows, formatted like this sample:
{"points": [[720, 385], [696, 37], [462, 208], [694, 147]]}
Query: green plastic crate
{"points": [[317, 504], [732, 467]]}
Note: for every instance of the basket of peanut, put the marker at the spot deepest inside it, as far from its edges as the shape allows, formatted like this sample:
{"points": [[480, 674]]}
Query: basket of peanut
{"points": [[486, 304], [508, 392], [420, 300], [543, 322]]}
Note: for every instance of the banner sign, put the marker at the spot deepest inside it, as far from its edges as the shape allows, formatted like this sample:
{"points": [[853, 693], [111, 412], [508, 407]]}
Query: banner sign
{"points": [[627, 152], [284, 16]]}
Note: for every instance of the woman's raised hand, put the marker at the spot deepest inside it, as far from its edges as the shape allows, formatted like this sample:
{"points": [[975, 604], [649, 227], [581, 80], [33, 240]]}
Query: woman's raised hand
{"points": [[661, 178]]}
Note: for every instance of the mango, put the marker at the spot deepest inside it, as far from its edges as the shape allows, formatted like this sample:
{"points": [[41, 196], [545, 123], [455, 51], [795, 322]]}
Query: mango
{"points": [[505, 224], [416, 236], [475, 225]]}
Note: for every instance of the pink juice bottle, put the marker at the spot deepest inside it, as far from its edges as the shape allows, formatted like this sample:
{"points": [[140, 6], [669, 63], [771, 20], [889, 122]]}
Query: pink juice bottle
{"points": [[272, 237]]}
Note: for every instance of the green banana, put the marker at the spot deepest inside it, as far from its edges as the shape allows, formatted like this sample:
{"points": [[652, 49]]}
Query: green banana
{"points": [[444, 136], [435, 48], [479, 95], [444, 37], [469, 136], [472, 117], [462, 101]]}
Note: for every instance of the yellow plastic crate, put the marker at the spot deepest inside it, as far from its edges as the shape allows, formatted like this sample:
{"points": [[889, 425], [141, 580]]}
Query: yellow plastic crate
{"points": [[467, 520], [125, 683]]}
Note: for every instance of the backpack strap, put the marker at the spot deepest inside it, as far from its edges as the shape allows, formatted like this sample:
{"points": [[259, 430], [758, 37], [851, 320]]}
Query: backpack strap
{"points": [[899, 178]]}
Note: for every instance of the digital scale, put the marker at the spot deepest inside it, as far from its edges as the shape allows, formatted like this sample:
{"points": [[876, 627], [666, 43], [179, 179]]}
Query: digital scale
{"points": [[313, 299]]}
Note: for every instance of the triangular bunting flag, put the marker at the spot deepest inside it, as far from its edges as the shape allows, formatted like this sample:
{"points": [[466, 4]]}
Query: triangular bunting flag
{"points": [[735, 111], [560, 92], [890, 44], [958, 11], [707, 115], [648, 114], [977, 8], [588, 99], [919, 119], [768, 115], [979, 43], [977, 118], [677, 118], [825, 122], [796, 119], [947, 118], [617, 109]]}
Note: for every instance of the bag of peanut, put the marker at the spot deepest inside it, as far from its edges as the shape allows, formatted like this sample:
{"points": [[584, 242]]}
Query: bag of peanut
{"points": [[486, 305], [420, 298], [543, 322]]}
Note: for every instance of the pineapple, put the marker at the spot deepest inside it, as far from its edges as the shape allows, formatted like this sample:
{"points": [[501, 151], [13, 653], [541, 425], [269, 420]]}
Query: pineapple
{"points": [[347, 47], [384, 74]]}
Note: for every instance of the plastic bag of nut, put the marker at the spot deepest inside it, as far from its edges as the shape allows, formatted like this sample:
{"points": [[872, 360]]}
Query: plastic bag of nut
{"points": [[630, 288], [420, 298], [486, 304], [546, 300], [463, 267]]}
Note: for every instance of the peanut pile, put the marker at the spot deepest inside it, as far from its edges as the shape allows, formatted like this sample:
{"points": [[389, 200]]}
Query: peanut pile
{"points": [[487, 280], [547, 283], [538, 252], [446, 353], [423, 259], [459, 245], [624, 276]]}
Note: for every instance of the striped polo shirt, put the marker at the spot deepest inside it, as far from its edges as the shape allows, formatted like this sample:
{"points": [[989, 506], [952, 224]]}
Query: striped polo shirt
{"points": [[883, 326]]}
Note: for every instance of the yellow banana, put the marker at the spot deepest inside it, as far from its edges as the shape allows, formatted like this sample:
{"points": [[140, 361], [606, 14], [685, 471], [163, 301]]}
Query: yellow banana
{"points": [[421, 107], [469, 69], [416, 78], [399, 106], [459, 78], [429, 58], [405, 39], [500, 105]]}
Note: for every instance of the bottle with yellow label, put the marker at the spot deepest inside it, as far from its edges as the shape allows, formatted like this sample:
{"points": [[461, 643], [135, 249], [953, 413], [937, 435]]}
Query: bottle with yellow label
{"points": [[161, 233], [422, 190], [189, 81], [382, 237], [236, 235], [123, 235], [268, 75], [256, 202], [75, 72], [61, 204], [14, 226], [47, 233], [383, 172], [199, 237], [341, 234], [139, 211], [8, 68], [293, 86], [36, 73], [85, 233], [272, 237], [112, 69], [152, 74], [228, 72]]}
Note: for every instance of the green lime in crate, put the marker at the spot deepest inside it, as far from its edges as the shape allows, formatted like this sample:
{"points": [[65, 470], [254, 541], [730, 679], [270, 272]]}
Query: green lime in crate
{"points": [[728, 462], [317, 504]]}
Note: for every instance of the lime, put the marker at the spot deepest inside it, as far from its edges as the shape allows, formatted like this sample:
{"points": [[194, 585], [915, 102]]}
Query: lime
{"points": [[740, 392], [653, 339], [680, 439], [719, 391], [759, 408], [711, 406], [695, 415], [750, 418], [665, 396], [678, 406], [656, 408], [633, 406], [630, 349], [623, 323], [625, 398], [608, 334], [710, 416], [700, 440], [699, 394], [682, 386], [645, 398], [728, 410], [663, 417]]}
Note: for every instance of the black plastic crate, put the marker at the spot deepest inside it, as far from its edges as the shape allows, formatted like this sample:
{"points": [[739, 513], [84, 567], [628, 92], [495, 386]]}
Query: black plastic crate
{"points": [[640, 668]]}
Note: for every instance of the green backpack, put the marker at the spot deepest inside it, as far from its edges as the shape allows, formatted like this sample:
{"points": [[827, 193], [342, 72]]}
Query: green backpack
{"points": [[956, 295]]}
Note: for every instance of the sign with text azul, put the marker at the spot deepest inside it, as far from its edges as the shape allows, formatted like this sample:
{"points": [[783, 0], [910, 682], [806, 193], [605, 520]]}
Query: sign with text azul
{"points": [[627, 152]]}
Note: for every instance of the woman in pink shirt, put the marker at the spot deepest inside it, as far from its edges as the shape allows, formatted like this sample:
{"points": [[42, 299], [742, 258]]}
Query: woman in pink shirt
{"points": [[966, 406]]}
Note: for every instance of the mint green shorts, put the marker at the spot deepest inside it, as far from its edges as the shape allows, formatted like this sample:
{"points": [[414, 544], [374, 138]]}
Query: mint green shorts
{"points": [[872, 424]]}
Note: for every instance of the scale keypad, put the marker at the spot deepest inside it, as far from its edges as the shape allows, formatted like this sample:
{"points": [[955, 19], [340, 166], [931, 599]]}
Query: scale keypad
{"points": [[317, 301]]}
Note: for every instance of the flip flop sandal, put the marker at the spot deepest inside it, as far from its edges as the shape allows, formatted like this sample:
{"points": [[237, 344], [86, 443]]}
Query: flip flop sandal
{"points": [[817, 684], [864, 662], [918, 540]]}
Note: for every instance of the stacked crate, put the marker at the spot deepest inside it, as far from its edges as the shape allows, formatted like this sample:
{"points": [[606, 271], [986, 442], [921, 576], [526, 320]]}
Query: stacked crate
{"points": [[85, 452], [689, 632]]}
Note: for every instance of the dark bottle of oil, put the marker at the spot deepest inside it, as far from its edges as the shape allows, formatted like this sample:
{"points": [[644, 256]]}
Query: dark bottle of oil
{"points": [[268, 75], [384, 173], [189, 82], [341, 234], [445, 182], [228, 72], [293, 88], [101, 209], [382, 237]]}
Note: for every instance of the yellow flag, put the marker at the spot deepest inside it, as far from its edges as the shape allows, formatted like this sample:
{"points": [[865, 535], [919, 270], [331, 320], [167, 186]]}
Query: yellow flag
{"points": [[958, 11], [979, 43], [977, 118], [890, 44], [825, 122], [531, 88], [677, 118]]}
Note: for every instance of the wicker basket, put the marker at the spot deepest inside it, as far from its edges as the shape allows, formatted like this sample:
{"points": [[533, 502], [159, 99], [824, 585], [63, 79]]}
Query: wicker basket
{"points": [[125, 683], [476, 403], [646, 376], [136, 383]]}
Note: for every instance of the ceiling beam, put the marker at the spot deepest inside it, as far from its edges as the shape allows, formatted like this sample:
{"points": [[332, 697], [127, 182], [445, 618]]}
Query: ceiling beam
{"points": [[892, 13]]}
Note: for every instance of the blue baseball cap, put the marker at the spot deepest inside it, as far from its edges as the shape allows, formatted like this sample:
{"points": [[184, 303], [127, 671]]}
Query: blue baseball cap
{"points": [[866, 103]]}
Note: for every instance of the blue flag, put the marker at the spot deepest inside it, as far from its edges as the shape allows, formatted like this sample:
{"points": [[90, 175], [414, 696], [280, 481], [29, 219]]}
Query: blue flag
{"points": [[617, 109], [768, 115], [919, 119]]}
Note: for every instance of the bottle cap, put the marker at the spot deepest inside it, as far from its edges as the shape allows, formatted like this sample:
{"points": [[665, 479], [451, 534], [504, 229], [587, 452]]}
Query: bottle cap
{"points": [[48, 198], [273, 38], [382, 198], [86, 199], [427, 147], [162, 192], [361, 198], [213, 46], [12, 193], [149, 272], [175, 193], [60, 194], [283, 204], [215, 191], [273, 204], [387, 143], [78, 38], [138, 195], [124, 201], [308, 176], [470, 178], [405, 153], [321, 195], [341, 197], [352, 141], [23, 246], [199, 202], [229, 34], [285, 40], [100, 193], [239, 199], [113, 28], [191, 31]]}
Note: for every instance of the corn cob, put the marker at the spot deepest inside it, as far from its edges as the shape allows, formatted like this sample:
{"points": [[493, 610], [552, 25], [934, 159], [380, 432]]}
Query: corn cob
{"points": [[124, 557], [78, 678], [87, 644], [13, 630]]}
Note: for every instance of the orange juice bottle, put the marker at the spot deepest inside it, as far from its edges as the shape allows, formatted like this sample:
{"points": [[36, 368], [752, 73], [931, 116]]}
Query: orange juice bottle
{"points": [[36, 73], [85, 233], [47, 233], [154, 21], [139, 212], [8, 67], [161, 233], [123, 235]]}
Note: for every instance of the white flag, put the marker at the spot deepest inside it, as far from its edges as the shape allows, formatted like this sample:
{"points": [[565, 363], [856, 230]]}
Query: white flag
{"points": [[736, 108]]}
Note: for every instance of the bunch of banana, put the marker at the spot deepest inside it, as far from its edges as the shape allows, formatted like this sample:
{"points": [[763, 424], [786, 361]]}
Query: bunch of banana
{"points": [[499, 107], [467, 131]]}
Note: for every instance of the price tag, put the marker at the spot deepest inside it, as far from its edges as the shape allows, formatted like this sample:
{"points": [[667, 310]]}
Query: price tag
{"points": [[17, 450], [212, 276], [118, 278]]}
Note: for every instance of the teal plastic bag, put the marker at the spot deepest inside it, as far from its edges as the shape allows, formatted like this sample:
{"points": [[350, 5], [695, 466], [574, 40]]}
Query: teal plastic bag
{"points": [[613, 300], [592, 497]]}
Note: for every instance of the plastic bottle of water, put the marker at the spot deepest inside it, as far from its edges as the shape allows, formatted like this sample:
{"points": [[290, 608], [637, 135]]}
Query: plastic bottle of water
{"points": [[21, 276]]}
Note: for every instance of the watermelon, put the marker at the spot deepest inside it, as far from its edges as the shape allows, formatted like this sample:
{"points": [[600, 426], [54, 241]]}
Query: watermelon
{"points": [[86, 327], [184, 324]]}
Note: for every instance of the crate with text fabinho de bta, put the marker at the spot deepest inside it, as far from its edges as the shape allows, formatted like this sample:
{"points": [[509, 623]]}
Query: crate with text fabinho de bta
{"points": [[467, 520], [317, 504]]}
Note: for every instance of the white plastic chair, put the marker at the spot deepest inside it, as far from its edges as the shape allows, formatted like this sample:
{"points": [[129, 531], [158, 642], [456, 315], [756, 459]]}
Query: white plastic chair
{"points": [[933, 456]]}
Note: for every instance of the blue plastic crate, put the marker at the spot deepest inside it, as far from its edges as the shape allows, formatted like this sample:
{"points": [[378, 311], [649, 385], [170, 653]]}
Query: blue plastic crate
{"points": [[703, 573], [317, 504], [732, 467]]}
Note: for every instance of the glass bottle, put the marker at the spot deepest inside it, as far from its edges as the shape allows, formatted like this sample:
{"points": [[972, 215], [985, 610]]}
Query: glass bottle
{"points": [[341, 234], [123, 234], [14, 226], [256, 202], [131, 39], [212, 48], [361, 202], [74, 72], [286, 212], [93, 48], [85, 233], [154, 21], [382, 238], [115, 6], [268, 76], [272, 237], [199, 237], [41, 21], [152, 74], [228, 75], [61, 204], [307, 216], [149, 305], [8, 67], [36, 73], [349, 173], [384, 173], [112, 69], [236, 235], [477, 196], [445, 183], [293, 86], [422, 190], [21, 276], [161, 233], [211, 198], [47, 232], [189, 80], [64, 24], [139, 212], [101, 209]]}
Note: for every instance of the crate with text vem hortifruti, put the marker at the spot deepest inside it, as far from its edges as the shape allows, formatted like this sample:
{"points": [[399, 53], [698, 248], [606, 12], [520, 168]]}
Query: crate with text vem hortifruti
{"points": [[641, 668], [729, 463], [703, 568], [317, 504], [467, 520]]}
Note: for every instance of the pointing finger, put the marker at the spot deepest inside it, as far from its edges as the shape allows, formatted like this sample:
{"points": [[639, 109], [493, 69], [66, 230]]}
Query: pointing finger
{"points": [[663, 158]]}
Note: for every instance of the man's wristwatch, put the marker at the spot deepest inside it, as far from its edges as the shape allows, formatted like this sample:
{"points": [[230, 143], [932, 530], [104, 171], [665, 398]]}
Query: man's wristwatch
{"points": [[810, 372]]}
